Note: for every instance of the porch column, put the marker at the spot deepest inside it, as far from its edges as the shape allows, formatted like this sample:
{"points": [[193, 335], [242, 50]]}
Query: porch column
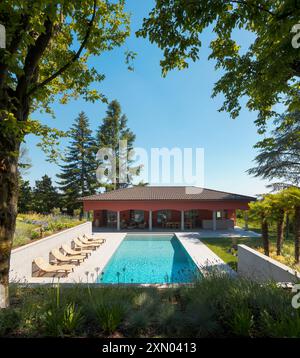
{"points": [[214, 220], [118, 220], [150, 220], [246, 219], [182, 220]]}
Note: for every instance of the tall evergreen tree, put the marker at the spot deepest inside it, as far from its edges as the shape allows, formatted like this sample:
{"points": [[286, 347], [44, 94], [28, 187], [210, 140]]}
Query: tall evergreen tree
{"points": [[78, 173], [45, 196], [25, 196], [113, 130], [279, 155]]}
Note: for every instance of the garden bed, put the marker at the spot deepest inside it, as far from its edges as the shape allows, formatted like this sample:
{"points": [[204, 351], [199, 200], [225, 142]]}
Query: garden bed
{"points": [[217, 306], [32, 227]]}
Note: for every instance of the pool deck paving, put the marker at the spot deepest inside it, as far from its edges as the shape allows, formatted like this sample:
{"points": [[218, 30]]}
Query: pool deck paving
{"points": [[88, 271]]}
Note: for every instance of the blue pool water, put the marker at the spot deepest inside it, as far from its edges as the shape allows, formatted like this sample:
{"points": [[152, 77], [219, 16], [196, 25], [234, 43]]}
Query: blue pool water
{"points": [[149, 259]]}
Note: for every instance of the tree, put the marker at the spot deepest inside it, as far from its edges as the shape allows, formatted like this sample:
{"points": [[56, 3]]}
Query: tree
{"points": [[48, 44], [25, 196], [45, 196], [292, 197], [278, 208], [267, 71], [113, 130], [279, 155], [78, 176], [260, 210]]}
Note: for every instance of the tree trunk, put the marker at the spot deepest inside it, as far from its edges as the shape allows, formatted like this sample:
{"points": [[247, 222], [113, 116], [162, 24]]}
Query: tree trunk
{"points": [[287, 226], [280, 232], [9, 151], [297, 233], [265, 235]]}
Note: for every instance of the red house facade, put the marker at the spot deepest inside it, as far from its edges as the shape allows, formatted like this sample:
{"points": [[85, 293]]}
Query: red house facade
{"points": [[151, 207]]}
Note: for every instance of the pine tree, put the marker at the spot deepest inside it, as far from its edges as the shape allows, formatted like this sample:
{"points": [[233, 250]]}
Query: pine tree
{"points": [[78, 173], [45, 196], [25, 196], [113, 130], [279, 155]]}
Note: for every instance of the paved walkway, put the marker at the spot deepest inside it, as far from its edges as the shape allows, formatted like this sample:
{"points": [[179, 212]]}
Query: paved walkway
{"points": [[206, 260]]}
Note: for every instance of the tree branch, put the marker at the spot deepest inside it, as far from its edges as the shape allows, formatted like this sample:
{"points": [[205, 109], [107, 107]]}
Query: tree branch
{"points": [[72, 60], [259, 7], [34, 54]]}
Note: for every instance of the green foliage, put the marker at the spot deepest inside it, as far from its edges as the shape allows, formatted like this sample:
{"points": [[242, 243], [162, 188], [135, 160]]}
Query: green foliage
{"points": [[215, 306], [242, 322], [9, 321], [282, 325], [109, 314], [266, 70], [45, 196], [78, 171], [25, 196], [279, 155], [113, 130], [61, 318], [33, 226]]}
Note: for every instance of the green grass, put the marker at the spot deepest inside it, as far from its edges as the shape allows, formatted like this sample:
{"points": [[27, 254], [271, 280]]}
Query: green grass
{"points": [[226, 248], [28, 227]]}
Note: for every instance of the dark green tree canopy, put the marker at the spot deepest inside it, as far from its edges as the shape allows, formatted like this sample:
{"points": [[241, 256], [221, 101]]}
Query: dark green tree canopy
{"points": [[266, 73], [113, 130], [45, 196], [279, 155], [25, 196], [78, 172]]}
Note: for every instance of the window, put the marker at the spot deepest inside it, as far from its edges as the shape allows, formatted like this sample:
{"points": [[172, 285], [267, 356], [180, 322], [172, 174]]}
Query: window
{"points": [[137, 216], [219, 214], [163, 216], [111, 216]]}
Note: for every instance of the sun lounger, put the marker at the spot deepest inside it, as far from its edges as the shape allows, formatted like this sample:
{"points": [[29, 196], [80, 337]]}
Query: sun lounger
{"points": [[56, 255], [70, 252], [86, 242], [41, 267], [91, 239], [81, 245]]}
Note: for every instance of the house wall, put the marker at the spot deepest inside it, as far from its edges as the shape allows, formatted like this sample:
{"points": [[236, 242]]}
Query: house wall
{"points": [[163, 205], [254, 265]]}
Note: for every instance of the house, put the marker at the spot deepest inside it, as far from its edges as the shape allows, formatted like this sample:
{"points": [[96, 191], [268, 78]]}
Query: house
{"points": [[166, 207]]}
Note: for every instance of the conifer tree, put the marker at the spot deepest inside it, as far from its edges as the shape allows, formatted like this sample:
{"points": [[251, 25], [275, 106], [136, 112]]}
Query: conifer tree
{"points": [[113, 130], [45, 196], [25, 196], [78, 173]]}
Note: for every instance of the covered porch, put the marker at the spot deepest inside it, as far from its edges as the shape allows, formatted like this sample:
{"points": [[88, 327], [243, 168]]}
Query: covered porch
{"points": [[164, 219]]}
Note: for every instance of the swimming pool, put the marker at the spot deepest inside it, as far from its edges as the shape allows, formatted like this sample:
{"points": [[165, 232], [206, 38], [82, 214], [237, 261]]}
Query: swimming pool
{"points": [[153, 259]]}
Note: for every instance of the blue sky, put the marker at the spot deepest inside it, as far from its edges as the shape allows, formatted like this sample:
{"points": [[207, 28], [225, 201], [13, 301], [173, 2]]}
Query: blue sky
{"points": [[176, 111]]}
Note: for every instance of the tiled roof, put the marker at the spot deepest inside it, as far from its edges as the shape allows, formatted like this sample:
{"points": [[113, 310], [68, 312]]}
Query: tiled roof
{"points": [[167, 193]]}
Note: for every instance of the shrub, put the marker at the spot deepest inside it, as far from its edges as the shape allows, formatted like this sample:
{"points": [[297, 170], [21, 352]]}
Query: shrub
{"points": [[242, 322], [34, 235], [62, 318], [9, 321], [55, 211], [109, 314]]}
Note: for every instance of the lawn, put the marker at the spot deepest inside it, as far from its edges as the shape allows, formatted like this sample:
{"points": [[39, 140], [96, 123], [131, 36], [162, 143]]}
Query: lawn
{"points": [[31, 227], [226, 248]]}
